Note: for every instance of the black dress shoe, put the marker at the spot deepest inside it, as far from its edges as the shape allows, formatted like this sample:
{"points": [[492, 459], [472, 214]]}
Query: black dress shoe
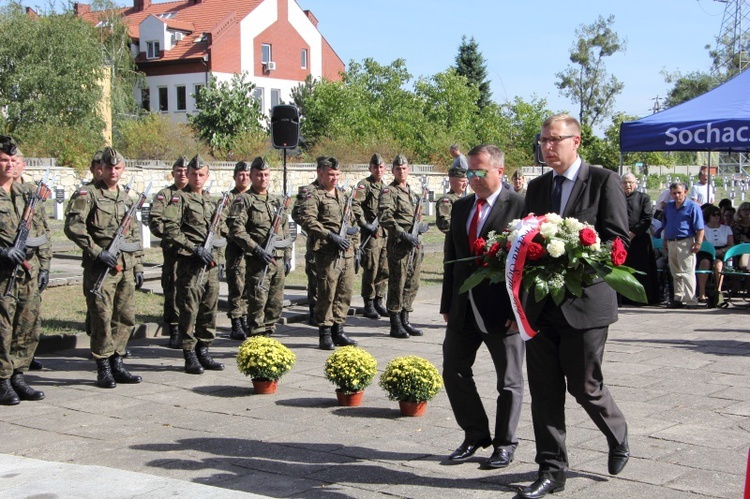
{"points": [[618, 458], [500, 458], [675, 304], [541, 487], [466, 450]]}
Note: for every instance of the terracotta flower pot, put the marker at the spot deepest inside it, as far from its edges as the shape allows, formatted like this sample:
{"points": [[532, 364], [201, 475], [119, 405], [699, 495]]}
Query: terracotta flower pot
{"points": [[412, 408], [265, 386], [349, 399]]}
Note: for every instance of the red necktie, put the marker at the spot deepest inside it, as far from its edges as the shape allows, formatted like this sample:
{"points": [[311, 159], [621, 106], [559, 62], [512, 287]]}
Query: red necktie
{"points": [[475, 222]]}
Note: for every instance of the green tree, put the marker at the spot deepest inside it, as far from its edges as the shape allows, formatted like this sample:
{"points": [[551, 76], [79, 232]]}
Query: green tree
{"points": [[471, 64], [156, 136], [51, 71], [586, 81], [226, 110], [688, 86]]}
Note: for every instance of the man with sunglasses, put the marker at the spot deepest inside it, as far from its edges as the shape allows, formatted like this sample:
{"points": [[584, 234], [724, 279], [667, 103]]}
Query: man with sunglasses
{"points": [[569, 345], [482, 315]]}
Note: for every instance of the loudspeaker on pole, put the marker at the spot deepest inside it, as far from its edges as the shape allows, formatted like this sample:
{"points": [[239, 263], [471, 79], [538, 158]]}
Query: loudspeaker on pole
{"points": [[285, 126]]}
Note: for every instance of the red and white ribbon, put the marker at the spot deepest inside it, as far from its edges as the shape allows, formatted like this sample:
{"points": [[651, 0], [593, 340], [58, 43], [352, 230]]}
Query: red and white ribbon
{"points": [[527, 229]]}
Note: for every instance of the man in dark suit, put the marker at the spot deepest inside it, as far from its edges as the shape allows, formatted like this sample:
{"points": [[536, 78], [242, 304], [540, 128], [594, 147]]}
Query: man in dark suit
{"points": [[483, 314], [569, 345]]}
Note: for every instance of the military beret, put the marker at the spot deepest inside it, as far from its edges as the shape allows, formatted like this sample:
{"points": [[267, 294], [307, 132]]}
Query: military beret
{"points": [[241, 166], [197, 162], [457, 172], [259, 164], [180, 162], [517, 174], [327, 162], [111, 157], [8, 145], [97, 157], [376, 159], [399, 160]]}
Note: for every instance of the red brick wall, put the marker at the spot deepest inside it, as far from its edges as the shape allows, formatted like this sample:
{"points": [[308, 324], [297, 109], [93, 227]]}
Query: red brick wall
{"points": [[286, 49], [332, 65], [225, 51]]}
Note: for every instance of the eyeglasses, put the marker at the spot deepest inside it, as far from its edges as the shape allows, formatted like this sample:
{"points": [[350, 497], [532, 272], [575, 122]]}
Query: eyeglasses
{"points": [[476, 173], [553, 140]]}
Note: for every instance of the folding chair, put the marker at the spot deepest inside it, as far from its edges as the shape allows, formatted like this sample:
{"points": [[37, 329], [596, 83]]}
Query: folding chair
{"points": [[711, 288], [737, 275]]}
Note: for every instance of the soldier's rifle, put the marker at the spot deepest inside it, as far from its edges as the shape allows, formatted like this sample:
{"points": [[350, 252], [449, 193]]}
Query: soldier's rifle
{"points": [[272, 241], [345, 229], [212, 241], [358, 254], [23, 240], [119, 243], [417, 227]]}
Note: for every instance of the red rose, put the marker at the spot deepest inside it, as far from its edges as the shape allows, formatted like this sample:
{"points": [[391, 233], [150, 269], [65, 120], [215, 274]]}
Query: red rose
{"points": [[494, 249], [478, 247], [587, 236], [619, 253], [535, 252]]}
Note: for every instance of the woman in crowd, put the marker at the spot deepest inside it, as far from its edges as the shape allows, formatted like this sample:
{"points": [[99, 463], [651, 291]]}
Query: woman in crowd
{"points": [[741, 231], [721, 237]]}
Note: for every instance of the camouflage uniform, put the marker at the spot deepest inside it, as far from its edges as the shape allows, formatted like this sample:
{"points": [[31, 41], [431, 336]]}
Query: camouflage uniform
{"points": [[162, 200], [444, 205], [19, 313], [236, 270], [310, 271], [92, 217], [374, 258], [250, 221], [397, 206], [186, 225]]}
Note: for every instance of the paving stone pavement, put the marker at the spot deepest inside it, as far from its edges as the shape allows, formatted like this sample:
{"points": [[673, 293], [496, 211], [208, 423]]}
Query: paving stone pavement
{"points": [[679, 376]]}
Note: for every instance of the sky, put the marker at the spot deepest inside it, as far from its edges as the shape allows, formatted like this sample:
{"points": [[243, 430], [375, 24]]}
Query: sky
{"points": [[525, 43]]}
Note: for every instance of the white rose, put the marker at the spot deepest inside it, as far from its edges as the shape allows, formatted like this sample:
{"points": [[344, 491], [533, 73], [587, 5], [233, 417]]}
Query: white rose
{"points": [[512, 237], [548, 229], [573, 224], [596, 247], [554, 218], [556, 248]]}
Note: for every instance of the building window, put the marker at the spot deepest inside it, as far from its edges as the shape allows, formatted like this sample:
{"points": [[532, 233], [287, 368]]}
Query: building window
{"points": [[265, 53], [163, 99], [258, 94], [146, 99], [152, 50], [181, 98], [303, 62], [197, 94], [275, 97]]}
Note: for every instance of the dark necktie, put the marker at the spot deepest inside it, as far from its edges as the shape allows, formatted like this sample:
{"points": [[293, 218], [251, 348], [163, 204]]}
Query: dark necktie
{"points": [[475, 221], [557, 194]]}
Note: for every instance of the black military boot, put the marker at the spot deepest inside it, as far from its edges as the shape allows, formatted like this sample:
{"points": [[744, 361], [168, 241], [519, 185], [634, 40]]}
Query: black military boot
{"points": [[8, 395], [325, 341], [192, 365], [121, 374], [245, 328], [339, 337], [238, 332], [174, 337], [311, 320], [24, 391], [104, 377], [35, 365], [397, 329], [201, 350], [407, 326], [379, 308], [369, 310]]}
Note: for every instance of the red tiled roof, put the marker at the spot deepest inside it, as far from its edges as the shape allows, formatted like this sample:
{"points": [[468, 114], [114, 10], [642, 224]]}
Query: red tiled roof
{"points": [[188, 16]]}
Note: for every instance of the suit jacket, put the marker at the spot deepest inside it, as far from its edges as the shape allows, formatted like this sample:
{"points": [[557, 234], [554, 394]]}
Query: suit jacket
{"points": [[491, 299], [596, 198]]}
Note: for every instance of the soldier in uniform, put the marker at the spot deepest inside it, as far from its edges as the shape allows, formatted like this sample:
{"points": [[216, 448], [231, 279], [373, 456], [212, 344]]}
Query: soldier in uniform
{"points": [[187, 223], [164, 198], [19, 311], [519, 186], [321, 215], [250, 224], [398, 204], [235, 262], [444, 205], [94, 213], [312, 277], [96, 167], [374, 260]]}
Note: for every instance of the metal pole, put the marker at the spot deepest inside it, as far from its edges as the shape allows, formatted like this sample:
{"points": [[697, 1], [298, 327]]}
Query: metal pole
{"points": [[285, 191]]}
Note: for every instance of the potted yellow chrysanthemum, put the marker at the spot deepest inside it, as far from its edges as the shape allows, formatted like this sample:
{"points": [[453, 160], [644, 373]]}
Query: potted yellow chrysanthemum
{"points": [[265, 360], [412, 381], [351, 369]]}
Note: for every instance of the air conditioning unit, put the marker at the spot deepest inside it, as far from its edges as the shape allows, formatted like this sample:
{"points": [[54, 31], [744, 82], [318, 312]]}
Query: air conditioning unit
{"points": [[270, 66], [178, 36]]}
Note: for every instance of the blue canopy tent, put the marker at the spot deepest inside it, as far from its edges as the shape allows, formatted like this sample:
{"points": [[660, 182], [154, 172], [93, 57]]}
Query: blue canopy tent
{"points": [[718, 120]]}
